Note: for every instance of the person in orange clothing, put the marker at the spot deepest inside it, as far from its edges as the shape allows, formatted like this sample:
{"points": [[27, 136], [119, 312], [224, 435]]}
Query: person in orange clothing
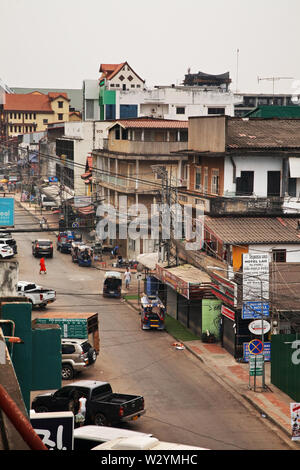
{"points": [[43, 266]]}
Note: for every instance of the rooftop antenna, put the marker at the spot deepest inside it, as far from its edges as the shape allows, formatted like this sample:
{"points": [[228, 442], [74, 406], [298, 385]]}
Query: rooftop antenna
{"points": [[237, 69], [274, 79]]}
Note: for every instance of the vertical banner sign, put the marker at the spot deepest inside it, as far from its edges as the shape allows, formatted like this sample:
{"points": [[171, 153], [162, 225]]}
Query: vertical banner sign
{"points": [[255, 285], [7, 211], [295, 421]]}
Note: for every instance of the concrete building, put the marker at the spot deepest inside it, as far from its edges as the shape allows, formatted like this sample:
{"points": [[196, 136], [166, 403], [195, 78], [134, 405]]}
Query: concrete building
{"points": [[251, 164], [32, 112]]}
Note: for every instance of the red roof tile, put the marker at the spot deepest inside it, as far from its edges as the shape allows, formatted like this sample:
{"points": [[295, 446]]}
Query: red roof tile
{"points": [[146, 123], [27, 102]]}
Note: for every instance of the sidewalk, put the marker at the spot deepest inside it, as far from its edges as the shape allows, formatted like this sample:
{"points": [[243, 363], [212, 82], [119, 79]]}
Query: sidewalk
{"points": [[272, 404]]}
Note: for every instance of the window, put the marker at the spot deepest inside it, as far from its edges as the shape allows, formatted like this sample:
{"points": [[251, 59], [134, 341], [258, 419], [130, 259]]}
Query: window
{"points": [[60, 117], [26, 116], [20, 129], [132, 86], [205, 183], [216, 111], [244, 183], [34, 115], [273, 183], [215, 181], [45, 121], [60, 104], [121, 78], [198, 175], [180, 110], [279, 256], [130, 78], [89, 109], [19, 116], [138, 86], [117, 133]]}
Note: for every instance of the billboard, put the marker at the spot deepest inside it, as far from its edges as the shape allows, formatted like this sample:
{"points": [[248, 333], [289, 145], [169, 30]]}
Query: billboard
{"points": [[7, 211], [255, 277]]}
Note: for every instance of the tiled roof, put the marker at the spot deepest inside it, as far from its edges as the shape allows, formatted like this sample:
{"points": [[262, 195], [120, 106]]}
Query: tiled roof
{"points": [[110, 70], [28, 102], [53, 95], [146, 123], [254, 230], [263, 133]]}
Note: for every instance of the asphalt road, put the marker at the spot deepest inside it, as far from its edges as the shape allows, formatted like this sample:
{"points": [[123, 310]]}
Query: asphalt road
{"points": [[184, 404]]}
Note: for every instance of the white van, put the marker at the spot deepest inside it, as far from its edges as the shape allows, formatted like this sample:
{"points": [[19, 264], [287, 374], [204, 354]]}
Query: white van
{"points": [[88, 437], [143, 443], [47, 202]]}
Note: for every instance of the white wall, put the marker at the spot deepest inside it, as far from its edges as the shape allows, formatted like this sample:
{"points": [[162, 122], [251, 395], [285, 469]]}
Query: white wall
{"points": [[260, 166], [292, 251]]}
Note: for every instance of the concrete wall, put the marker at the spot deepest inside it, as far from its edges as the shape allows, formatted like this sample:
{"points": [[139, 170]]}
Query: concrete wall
{"points": [[207, 134], [292, 251], [260, 166]]}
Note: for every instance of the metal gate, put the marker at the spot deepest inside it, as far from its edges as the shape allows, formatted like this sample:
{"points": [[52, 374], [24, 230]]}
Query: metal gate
{"points": [[285, 364]]}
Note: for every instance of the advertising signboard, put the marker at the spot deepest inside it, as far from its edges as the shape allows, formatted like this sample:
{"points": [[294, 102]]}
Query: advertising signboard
{"points": [[295, 421], [7, 211], [55, 429], [256, 327], [255, 276], [255, 310]]}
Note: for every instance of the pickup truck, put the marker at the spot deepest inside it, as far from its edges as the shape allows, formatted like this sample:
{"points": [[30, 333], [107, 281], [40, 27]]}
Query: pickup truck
{"points": [[37, 295], [103, 407]]}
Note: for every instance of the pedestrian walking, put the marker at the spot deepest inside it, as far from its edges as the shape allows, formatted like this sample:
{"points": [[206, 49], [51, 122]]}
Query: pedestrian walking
{"points": [[127, 277], [80, 416], [43, 266]]}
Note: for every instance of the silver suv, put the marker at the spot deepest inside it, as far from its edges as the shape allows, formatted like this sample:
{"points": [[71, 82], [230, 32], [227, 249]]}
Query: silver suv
{"points": [[76, 355]]}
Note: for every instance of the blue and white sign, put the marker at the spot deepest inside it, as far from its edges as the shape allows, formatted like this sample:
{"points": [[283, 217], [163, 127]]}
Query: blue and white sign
{"points": [[266, 351], [7, 211], [255, 310]]}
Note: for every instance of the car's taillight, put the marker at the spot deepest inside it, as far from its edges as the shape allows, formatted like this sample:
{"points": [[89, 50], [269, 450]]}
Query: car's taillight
{"points": [[37, 245], [121, 411], [41, 297]]}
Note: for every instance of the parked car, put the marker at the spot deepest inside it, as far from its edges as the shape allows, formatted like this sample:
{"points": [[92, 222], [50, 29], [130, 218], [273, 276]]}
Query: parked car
{"points": [[37, 295], [103, 407], [6, 239], [42, 248], [88, 437], [77, 354], [6, 251]]}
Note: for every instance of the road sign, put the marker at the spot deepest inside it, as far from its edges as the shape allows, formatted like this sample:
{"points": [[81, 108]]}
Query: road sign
{"points": [[255, 310], [259, 327], [266, 352], [255, 346], [75, 225], [256, 365], [7, 211]]}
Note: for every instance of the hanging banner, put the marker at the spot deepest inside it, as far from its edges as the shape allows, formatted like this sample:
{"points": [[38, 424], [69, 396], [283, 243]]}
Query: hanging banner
{"points": [[295, 421]]}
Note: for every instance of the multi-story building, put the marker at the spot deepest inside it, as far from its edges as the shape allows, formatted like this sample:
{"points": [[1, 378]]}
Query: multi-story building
{"points": [[124, 167], [248, 102], [252, 165], [121, 94], [32, 112]]}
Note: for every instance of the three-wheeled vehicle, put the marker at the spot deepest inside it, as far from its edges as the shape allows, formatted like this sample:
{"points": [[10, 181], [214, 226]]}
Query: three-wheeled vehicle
{"points": [[75, 250], [85, 255], [153, 313], [112, 285]]}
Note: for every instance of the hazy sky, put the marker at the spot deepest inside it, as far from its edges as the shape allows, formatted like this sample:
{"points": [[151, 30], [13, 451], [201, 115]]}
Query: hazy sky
{"points": [[60, 43]]}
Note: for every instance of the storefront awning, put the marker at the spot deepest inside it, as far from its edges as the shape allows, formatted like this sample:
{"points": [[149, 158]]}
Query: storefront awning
{"points": [[188, 281], [149, 260], [294, 163]]}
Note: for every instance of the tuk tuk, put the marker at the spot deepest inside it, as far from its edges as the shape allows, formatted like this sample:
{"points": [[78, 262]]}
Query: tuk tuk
{"points": [[112, 285], [75, 250], [153, 313], [64, 242], [85, 255]]}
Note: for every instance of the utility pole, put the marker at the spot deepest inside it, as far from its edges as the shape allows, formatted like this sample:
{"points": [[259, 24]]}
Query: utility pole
{"points": [[168, 197]]}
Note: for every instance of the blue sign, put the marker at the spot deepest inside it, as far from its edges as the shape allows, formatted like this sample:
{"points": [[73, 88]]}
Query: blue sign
{"points": [[255, 310], [52, 179], [7, 211], [266, 352]]}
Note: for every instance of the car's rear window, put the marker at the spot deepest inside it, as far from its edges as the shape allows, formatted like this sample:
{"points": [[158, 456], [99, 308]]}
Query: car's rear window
{"points": [[85, 346], [44, 243]]}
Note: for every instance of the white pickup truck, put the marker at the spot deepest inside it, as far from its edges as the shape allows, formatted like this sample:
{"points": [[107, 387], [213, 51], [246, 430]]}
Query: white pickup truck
{"points": [[37, 295]]}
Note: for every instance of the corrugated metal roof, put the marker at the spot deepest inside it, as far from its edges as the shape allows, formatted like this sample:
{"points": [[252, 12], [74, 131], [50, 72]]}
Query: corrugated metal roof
{"points": [[275, 111]]}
